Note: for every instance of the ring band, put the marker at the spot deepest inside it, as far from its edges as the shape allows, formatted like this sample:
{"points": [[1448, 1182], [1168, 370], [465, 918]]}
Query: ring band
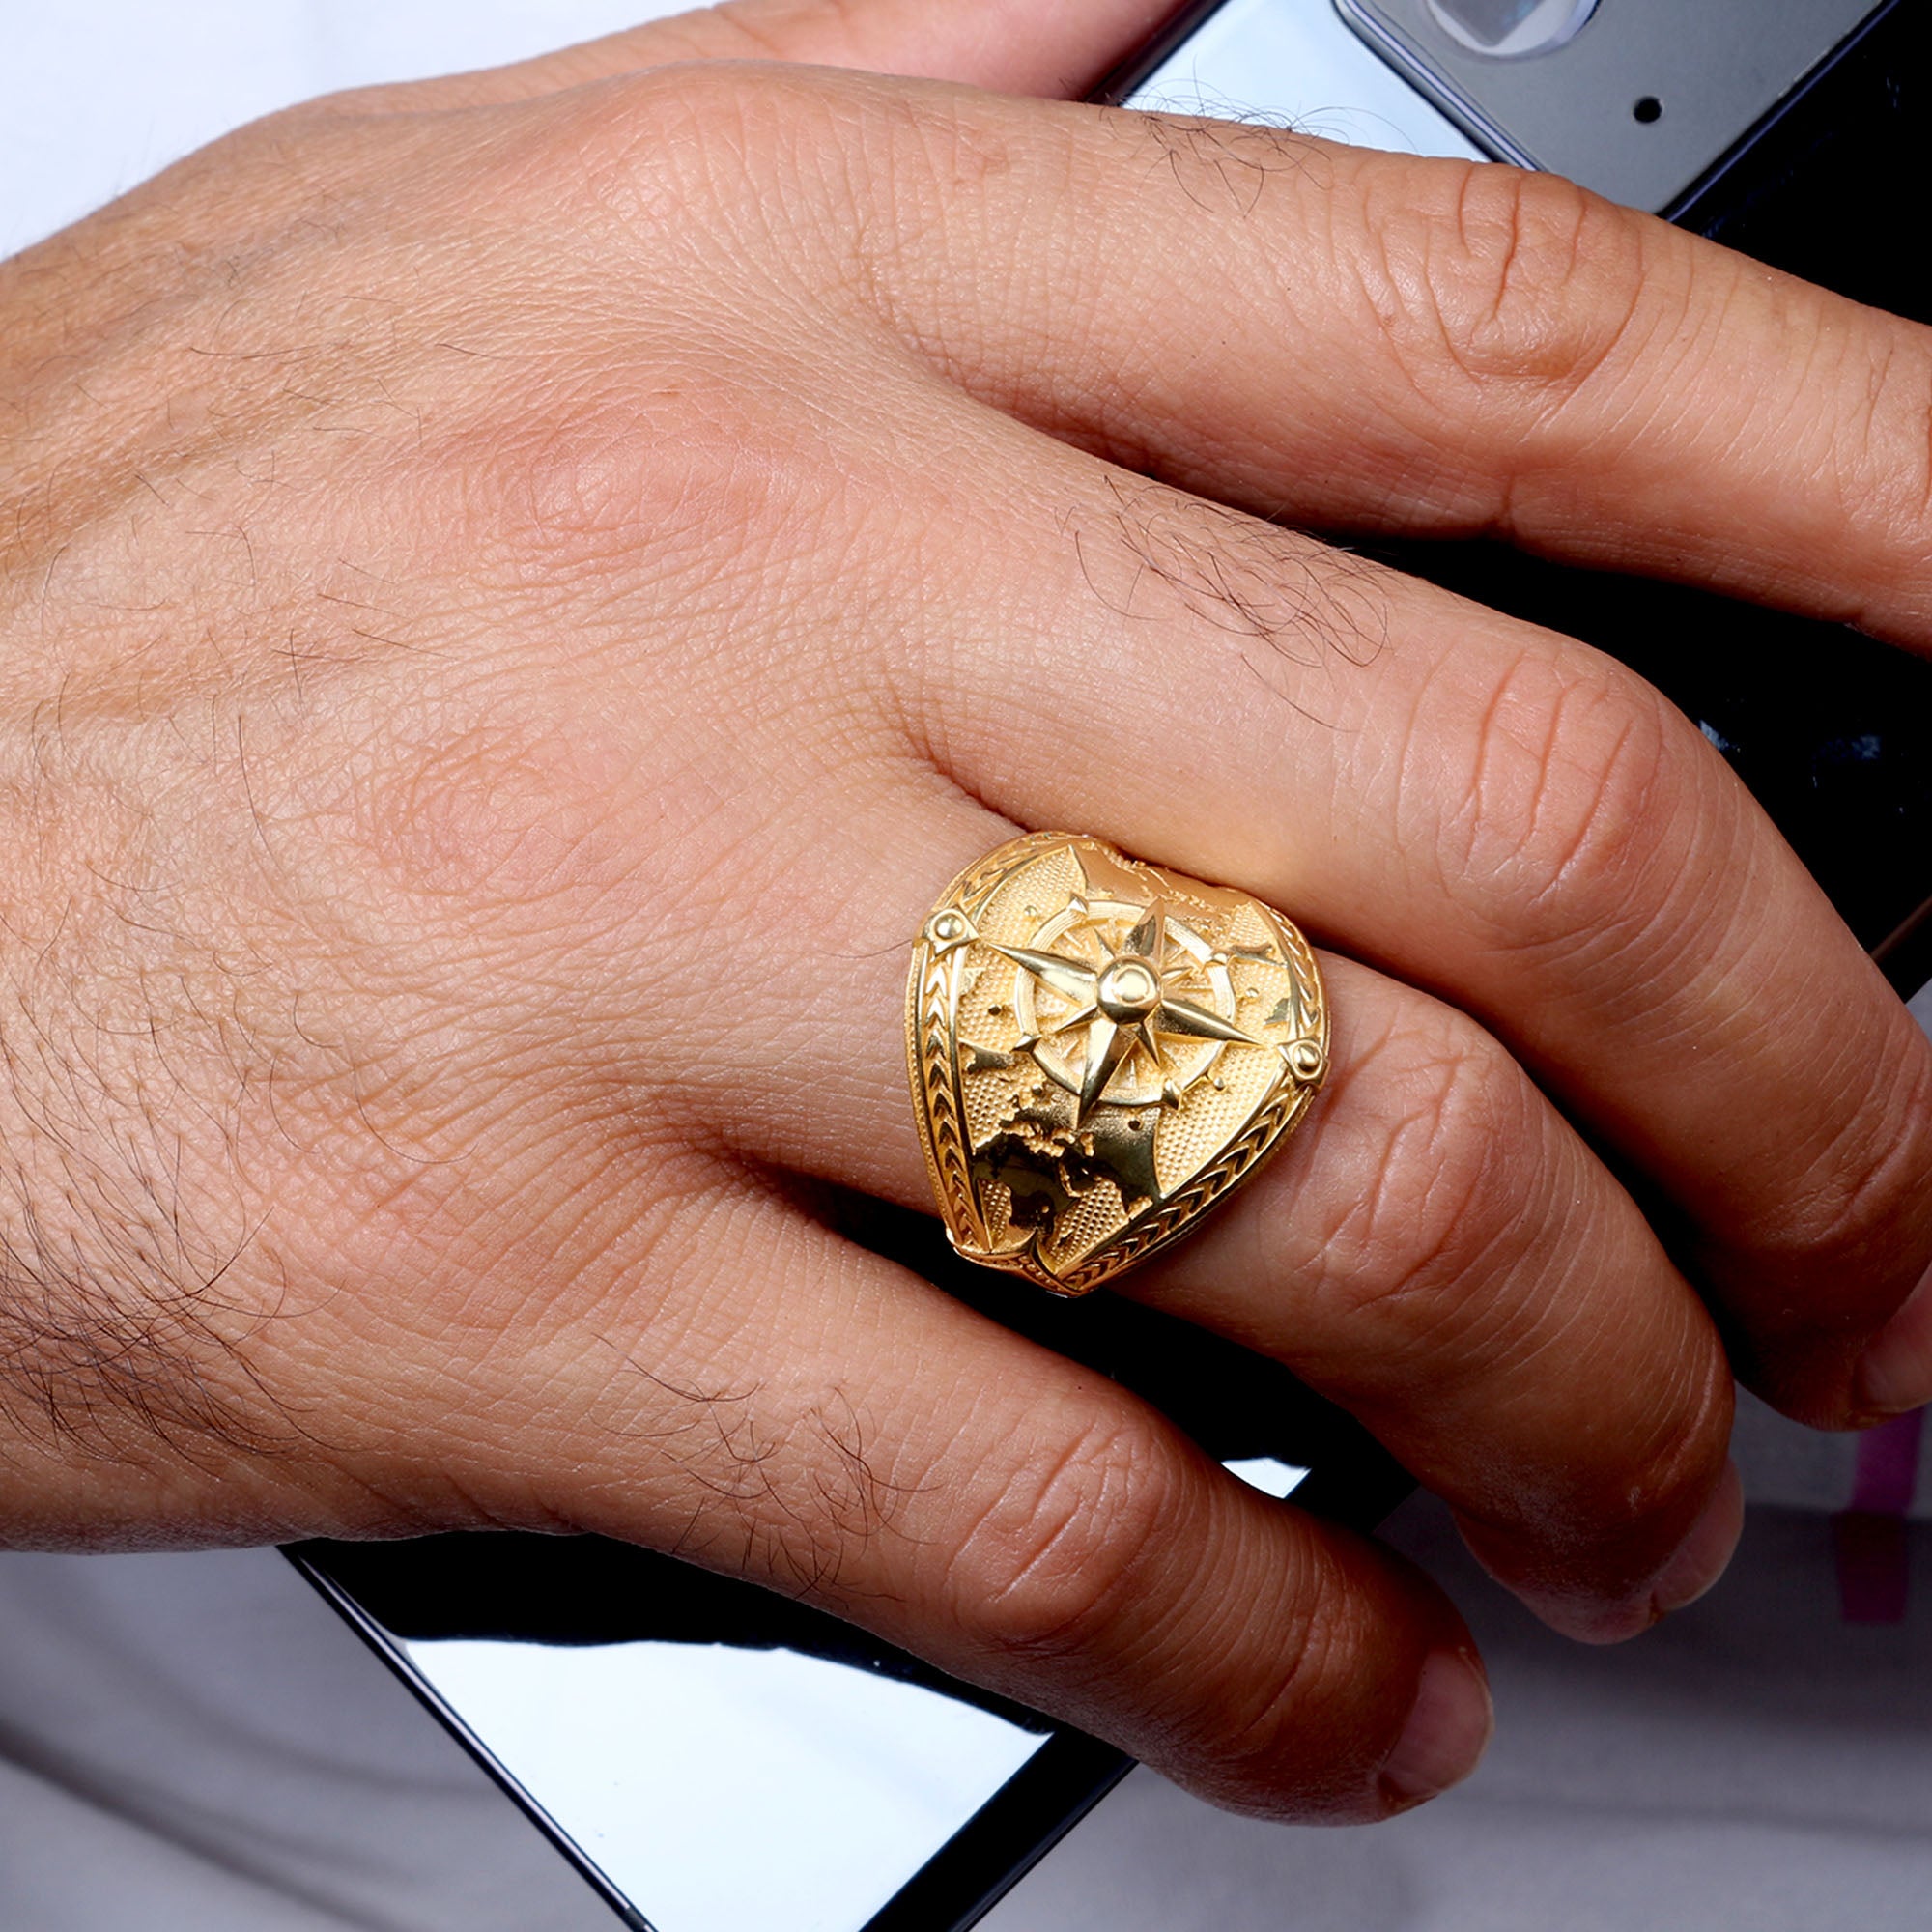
{"points": [[1101, 1050]]}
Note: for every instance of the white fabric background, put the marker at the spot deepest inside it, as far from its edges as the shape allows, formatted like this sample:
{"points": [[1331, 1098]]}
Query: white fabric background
{"points": [[96, 95], [194, 1743]]}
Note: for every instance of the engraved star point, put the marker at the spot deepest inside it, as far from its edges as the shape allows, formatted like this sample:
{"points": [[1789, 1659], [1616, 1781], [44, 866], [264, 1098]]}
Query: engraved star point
{"points": [[1113, 1036]]}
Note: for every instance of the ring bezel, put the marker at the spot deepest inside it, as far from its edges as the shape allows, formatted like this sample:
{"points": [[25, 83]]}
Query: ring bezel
{"points": [[1101, 1050]]}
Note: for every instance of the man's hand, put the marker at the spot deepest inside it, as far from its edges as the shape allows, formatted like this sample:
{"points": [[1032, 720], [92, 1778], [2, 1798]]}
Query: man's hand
{"points": [[519, 591]]}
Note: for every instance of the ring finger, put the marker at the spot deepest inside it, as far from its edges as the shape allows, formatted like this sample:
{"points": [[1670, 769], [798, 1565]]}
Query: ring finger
{"points": [[1491, 1301]]}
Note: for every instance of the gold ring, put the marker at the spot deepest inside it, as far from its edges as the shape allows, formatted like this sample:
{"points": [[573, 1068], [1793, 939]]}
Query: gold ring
{"points": [[1101, 1050]]}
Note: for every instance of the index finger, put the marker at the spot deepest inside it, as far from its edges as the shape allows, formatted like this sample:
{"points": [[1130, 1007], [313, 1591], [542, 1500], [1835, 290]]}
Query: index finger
{"points": [[1054, 47], [1373, 342]]}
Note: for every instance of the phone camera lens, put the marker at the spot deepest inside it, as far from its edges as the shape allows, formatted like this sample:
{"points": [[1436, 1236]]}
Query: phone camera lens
{"points": [[1507, 29], [1648, 109]]}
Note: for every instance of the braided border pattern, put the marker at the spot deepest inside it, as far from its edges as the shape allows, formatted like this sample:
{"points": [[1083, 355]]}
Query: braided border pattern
{"points": [[1236, 1163], [941, 1127], [934, 1053]]}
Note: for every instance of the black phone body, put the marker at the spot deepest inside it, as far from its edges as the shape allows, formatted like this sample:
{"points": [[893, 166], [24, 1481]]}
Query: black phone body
{"points": [[713, 1757]]}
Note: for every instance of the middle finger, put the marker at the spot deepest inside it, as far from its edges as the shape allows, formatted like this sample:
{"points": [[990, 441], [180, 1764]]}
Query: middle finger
{"points": [[1438, 1249], [1493, 814]]}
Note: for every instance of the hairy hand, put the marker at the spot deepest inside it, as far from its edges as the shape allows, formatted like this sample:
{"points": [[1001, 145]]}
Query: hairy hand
{"points": [[518, 591]]}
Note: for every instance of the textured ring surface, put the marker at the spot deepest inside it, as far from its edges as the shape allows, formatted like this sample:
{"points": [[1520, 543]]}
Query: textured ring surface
{"points": [[1101, 1050]]}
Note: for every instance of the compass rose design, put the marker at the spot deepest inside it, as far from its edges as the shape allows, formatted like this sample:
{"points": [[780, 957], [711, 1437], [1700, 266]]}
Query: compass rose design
{"points": [[1100, 1052], [1123, 1003]]}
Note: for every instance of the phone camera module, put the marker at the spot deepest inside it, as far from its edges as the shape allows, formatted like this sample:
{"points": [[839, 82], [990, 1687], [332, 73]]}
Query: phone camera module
{"points": [[1509, 29]]}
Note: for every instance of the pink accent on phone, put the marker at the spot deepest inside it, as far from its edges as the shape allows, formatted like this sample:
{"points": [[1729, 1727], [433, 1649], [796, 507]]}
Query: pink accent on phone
{"points": [[1869, 1537]]}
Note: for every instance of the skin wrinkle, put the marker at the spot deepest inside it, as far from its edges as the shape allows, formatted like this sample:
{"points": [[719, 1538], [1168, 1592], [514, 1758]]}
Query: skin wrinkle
{"points": [[1506, 323], [1456, 1201], [1493, 1346], [1842, 1221], [1274, 1720], [1044, 1559], [1532, 309], [1583, 827], [845, 1500]]}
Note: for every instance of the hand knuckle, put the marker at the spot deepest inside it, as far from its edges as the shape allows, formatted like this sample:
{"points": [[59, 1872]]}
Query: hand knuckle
{"points": [[1589, 809], [591, 482], [1843, 1222], [695, 155], [1527, 277], [628, 173], [1441, 1208], [1053, 1555], [685, 116]]}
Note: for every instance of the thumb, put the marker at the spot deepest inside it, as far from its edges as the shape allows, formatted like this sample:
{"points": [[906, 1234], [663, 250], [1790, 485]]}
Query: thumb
{"points": [[1055, 49]]}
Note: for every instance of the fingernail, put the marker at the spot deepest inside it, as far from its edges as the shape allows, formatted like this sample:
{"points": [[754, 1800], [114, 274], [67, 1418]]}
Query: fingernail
{"points": [[1705, 1555], [1896, 1372], [1447, 1731]]}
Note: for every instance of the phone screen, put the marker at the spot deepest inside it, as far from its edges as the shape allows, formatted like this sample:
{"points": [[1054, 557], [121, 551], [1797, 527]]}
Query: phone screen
{"points": [[722, 1760]]}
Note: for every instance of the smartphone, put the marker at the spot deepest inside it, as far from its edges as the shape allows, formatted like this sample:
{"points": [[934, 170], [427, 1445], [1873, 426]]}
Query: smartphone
{"points": [[714, 1758]]}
